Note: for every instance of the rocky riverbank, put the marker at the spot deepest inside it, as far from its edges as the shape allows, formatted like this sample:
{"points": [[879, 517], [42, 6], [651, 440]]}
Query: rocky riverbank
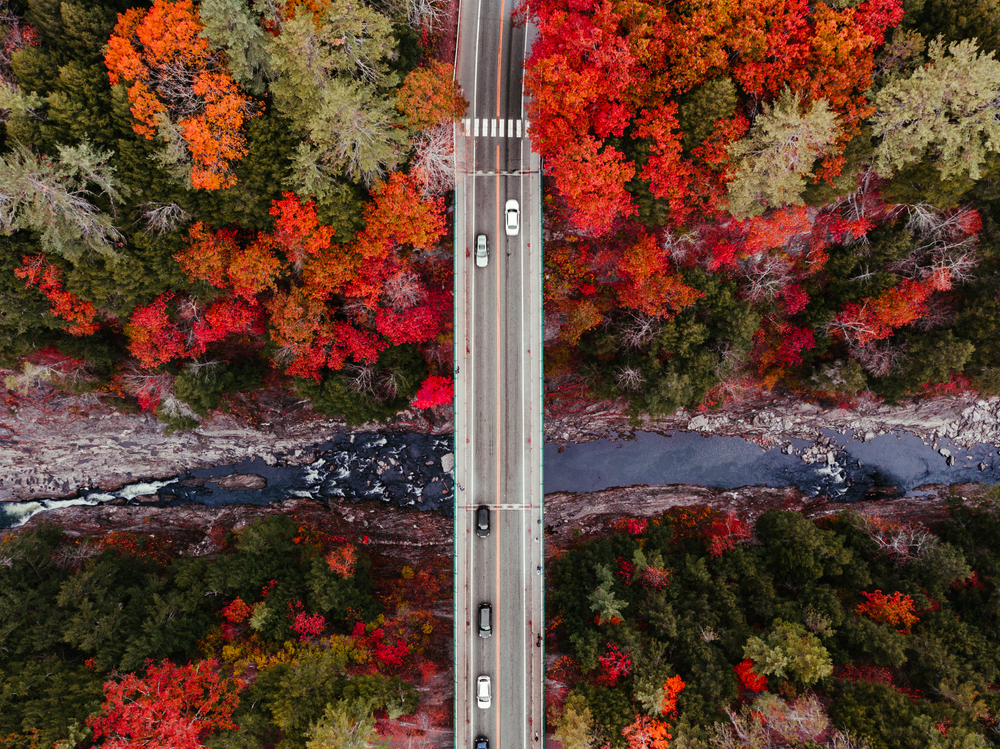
{"points": [[772, 420], [411, 537], [53, 445]]}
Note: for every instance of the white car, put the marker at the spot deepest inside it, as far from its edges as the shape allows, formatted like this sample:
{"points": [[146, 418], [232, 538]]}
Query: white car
{"points": [[483, 692], [513, 221], [482, 251]]}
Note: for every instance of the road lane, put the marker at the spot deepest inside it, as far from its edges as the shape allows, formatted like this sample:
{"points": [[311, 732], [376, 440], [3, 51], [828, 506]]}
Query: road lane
{"points": [[498, 397]]}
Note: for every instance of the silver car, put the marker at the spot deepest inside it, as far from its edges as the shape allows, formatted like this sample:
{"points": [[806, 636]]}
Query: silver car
{"points": [[483, 697], [482, 251], [513, 220]]}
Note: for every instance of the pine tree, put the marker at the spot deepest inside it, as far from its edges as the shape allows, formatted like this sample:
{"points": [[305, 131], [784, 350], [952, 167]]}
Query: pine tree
{"points": [[950, 108], [778, 153], [53, 197], [230, 27]]}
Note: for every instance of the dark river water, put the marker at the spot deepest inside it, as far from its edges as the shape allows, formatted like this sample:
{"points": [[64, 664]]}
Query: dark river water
{"points": [[409, 470]]}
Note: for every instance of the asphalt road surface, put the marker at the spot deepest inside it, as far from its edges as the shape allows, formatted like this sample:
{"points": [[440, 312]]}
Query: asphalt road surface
{"points": [[498, 389]]}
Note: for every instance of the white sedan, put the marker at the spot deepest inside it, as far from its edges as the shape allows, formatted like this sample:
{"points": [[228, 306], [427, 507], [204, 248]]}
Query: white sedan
{"points": [[483, 692], [513, 222]]}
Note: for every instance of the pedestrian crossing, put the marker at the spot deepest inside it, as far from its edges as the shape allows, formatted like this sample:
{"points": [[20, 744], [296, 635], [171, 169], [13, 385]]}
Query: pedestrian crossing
{"points": [[483, 127]]}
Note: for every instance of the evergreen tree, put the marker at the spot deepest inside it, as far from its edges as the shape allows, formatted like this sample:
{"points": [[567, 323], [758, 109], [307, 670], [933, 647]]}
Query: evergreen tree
{"points": [[53, 197], [949, 109], [778, 153]]}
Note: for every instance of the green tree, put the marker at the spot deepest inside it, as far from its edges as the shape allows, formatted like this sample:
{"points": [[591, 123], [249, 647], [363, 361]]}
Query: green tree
{"points": [[53, 197], [772, 161], [232, 28], [603, 600], [961, 20], [575, 724], [790, 651], [345, 725], [331, 74], [948, 108], [699, 110]]}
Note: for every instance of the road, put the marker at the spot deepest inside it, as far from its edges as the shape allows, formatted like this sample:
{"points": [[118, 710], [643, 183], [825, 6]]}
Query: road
{"points": [[498, 389]]}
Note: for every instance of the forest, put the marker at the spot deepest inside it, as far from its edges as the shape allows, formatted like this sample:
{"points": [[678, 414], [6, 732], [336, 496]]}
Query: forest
{"points": [[198, 200], [278, 638], [698, 630], [777, 194]]}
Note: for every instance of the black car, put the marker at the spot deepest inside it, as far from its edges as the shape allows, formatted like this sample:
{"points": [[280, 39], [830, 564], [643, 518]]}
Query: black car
{"points": [[482, 742], [485, 620], [482, 521]]}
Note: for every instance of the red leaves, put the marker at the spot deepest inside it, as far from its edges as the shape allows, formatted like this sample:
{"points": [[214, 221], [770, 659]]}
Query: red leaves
{"points": [[874, 318], [297, 231], [435, 391], [726, 531], [592, 182], [308, 625], [648, 283], [154, 338], [236, 611], [615, 665], [36, 270], [748, 678], [172, 707], [895, 610]]}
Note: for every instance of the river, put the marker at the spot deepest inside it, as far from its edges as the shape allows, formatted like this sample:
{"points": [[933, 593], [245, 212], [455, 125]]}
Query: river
{"points": [[414, 470]]}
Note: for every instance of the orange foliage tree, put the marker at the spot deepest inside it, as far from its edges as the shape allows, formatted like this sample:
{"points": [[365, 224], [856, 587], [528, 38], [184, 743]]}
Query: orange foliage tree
{"points": [[896, 610], [649, 283], [647, 733], [874, 319], [429, 95], [172, 73]]}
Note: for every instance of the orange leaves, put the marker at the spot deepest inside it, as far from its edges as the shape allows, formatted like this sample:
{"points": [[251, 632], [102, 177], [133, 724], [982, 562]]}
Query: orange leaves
{"points": [[254, 269], [341, 560], [648, 283], [172, 72], [896, 610], [647, 733], [216, 257], [208, 254], [671, 689], [874, 319], [430, 96]]}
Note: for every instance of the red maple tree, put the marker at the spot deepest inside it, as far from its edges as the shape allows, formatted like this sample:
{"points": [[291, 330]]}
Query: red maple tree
{"points": [[154, 337], [435, 391], [36, 270], [171, 707]]}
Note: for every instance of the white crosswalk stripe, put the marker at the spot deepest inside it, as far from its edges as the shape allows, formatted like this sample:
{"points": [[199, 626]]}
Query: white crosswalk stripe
{"points": [[490, 129]]}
